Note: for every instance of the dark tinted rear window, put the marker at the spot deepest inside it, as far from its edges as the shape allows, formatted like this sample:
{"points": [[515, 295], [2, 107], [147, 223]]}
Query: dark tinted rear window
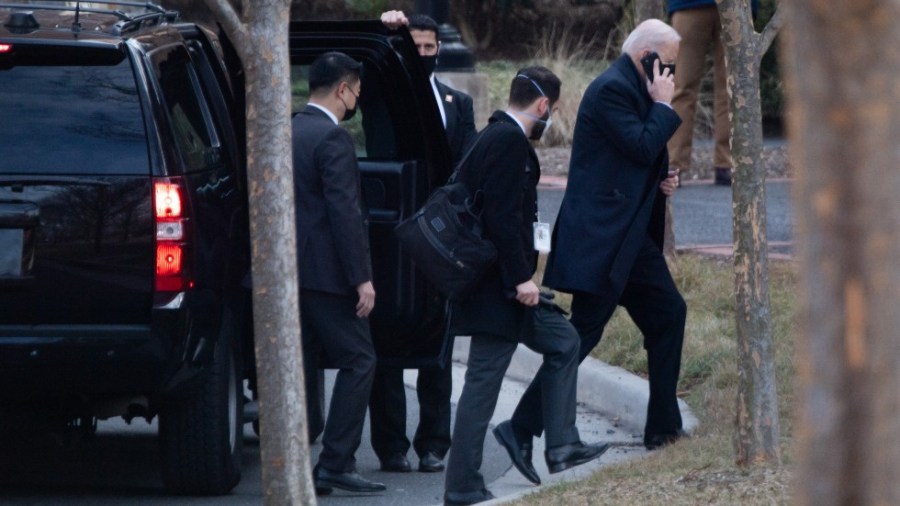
{"points": [[71, 120]]}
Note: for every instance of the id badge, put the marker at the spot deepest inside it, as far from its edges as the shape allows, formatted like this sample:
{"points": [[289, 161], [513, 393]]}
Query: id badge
{"points": [[542, 237]]}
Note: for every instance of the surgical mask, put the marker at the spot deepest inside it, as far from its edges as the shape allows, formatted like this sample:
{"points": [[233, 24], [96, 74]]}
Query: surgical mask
{"points": [[429, 62]]}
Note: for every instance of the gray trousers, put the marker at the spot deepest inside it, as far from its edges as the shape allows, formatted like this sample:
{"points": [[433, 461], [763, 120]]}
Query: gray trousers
{"points": [[489, 356]]}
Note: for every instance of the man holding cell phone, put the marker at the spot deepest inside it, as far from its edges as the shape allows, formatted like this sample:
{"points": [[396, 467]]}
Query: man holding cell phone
{"points": [[608, 240]]}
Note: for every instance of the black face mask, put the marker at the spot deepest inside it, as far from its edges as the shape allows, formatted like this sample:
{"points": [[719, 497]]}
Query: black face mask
{"points": [[349, 113], [540, 125], [429, 62]]}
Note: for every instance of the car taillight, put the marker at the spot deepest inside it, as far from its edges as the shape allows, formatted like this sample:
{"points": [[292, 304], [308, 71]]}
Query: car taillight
{"points": [[171, 237], [5, 48], [168, 201]]}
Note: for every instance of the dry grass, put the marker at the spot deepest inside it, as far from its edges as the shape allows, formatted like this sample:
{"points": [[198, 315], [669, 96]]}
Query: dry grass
{"points": [[568, 58], [699, 470]]}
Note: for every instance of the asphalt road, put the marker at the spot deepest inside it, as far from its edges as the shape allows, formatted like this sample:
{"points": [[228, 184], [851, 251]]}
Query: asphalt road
{"points": [[702, 214], [120, 465]]}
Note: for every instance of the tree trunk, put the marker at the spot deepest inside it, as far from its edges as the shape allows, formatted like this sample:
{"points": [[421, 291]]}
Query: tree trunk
{"points": [[757, 430], [261, 40], [843, 124], [647, 9]]}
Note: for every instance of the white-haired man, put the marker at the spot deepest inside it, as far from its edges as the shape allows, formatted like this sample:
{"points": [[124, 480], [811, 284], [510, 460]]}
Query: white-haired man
{"points": [[608, 239]]}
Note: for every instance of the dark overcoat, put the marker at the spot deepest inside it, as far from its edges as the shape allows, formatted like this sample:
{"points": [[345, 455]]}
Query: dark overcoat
{"points": [[332, 229], [612, 200], [504, 165]]}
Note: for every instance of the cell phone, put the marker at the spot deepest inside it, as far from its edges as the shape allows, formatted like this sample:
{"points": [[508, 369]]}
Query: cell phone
{"points": [[647, 63]]}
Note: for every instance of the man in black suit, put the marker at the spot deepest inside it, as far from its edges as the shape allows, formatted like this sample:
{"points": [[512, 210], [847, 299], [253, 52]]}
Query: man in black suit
{"points": [[336, 292], [608, 239], [507, 308], [434, 385]]}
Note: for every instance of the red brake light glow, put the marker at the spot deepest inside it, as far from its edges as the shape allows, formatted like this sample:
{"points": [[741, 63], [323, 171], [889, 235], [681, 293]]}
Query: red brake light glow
{"points": [[168, 259], [172, 250], [5, 48], [168, 201]]}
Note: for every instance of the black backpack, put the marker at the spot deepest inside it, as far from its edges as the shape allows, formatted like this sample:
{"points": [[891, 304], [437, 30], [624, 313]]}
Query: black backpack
{"points": [[444, 237]]}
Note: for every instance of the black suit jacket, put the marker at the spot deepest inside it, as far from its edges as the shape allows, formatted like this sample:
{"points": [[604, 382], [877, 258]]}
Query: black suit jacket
{"points": [[612, 199], [504, 165], [460, 118], [332, 236]]}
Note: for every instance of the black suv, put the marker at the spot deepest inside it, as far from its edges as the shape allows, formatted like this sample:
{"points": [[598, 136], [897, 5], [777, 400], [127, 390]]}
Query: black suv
{"points": [[123, 232], [124, 248]]}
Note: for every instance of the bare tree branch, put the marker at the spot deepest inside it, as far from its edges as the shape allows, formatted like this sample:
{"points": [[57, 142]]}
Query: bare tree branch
{"points": [[225, 14], [771, 30]]}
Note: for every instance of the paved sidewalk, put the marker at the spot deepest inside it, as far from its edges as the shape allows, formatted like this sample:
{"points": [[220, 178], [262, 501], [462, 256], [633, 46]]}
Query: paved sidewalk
{"points": [[612, 405]]}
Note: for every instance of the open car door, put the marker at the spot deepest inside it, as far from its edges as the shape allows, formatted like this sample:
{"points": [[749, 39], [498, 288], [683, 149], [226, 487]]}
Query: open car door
{"points": [[403, 155]]}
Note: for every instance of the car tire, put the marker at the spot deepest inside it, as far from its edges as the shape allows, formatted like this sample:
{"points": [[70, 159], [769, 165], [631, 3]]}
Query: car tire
{"points": [[201, 434]]}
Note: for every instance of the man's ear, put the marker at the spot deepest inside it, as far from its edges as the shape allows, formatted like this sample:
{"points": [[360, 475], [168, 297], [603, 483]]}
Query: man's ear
{"points": [[543, 106]]}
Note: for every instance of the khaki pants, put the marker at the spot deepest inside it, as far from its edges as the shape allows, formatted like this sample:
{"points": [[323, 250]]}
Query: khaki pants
{"points": [[699, 28]]}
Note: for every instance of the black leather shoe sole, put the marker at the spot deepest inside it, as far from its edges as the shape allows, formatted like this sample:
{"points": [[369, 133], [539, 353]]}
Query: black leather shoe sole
{"points": [[328, 485], [326, 480], [507, 439], [557, 467]]}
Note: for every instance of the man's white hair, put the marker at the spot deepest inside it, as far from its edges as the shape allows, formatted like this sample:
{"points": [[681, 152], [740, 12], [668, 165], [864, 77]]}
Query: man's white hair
{"points": [[651, 34]]}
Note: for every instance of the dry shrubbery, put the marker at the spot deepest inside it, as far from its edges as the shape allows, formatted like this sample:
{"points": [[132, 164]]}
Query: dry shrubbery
{"points": [[699, 470], [568, 57]]}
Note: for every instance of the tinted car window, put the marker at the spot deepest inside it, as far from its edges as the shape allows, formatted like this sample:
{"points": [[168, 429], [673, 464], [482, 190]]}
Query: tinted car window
{"points": [[71, 120], [371, 128], [190, 118]]}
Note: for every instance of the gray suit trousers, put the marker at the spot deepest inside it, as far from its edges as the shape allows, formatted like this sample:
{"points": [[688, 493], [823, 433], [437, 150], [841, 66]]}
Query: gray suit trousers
{"points": [[489, 356]]}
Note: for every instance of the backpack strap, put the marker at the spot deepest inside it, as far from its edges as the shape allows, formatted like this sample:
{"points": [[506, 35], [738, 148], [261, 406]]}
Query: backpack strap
{"points": [[457, 170]]}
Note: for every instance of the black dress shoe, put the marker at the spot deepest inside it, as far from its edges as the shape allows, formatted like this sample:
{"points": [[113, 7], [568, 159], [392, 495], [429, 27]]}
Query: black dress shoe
{"points": [[654, 441], [560, 458], [465, 498], [430, 463], [396, 463], [326, 480], [519, 452], [722, 176]]}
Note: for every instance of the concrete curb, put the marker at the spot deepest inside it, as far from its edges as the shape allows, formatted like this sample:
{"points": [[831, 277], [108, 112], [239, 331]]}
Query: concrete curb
{"points": [[602, 388]]}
